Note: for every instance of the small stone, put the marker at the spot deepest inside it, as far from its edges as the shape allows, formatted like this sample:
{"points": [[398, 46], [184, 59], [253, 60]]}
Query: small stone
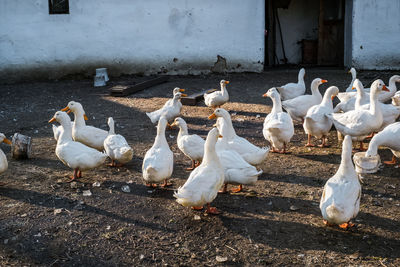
{"points": [[221, 259], [108, 227], [391, 186], [240, 120], [69, 223], [301, 255], [24, 215], [353, 256], [141, 257], [73, 185], [87, 193], [126, 189], [5, 241], [270, 203], [258, 116], [130, 182], [36, 131], [294, 208], [172, 136], [233, 114], [38, 235], [96, 184], [57, 211], [197, 217], [396, 166]]}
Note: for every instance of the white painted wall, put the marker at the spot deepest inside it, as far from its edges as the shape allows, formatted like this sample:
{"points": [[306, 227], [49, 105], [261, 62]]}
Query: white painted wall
{"points": [[299, 21], [142, 36], [376, 34]]}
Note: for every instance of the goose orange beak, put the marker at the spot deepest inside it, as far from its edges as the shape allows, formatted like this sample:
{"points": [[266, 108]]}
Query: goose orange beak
{"points": [[85, 117], [384, 88], [226, 82], [181, 90], [212, 116], [333, 97], [353, 88], [220, 136], [7, 141], [65, 109], [183, 94], [324, 81], [52, 120], [264, 95]]}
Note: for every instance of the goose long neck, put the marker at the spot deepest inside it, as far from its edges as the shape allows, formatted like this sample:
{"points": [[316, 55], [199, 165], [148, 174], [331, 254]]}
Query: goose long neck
{"points": [[161, 140], [315, 90], [112, 129], [327, 100], [183, 130], [229, 132], [346, 164], [374, 106], [359, 97], [79, 119], [210, 154], [300, 78], [223, 88], [392, 84], [66, 134], [276, 104]]}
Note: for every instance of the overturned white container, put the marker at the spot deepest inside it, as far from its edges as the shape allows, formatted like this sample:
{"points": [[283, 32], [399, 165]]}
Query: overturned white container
{"points": [[99, 81], [102, 72], [366, 164]]}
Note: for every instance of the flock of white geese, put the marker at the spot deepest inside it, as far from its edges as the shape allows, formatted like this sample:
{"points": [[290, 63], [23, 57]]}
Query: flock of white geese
{"points": [[226, 158]]}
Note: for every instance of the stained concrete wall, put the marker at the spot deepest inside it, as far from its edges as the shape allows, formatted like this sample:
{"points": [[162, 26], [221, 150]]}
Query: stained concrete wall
{"points": [[376, 34], [299, 21], [143, 36]]}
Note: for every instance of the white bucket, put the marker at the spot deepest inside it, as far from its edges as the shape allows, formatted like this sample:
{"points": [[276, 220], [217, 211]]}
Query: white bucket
{"points": [[99, 81], [366, 164], [102, 72]]}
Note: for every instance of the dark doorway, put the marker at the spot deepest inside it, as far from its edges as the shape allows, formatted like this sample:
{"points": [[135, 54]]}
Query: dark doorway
{"points": [[305, 32]]}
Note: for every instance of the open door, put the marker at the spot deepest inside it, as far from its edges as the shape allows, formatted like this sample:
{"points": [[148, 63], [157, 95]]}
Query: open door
{"points": [[331, 33]]}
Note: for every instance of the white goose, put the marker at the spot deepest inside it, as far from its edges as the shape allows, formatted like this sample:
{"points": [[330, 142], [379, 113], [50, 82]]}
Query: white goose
{"points": [[396, 99], [116, 146], [388, 137], [75, 155], [236, 169], [171, 100], [217, 98], [158, 163], [361, 98], [191, 145], [297, 107], [292, 90], [204, 182], [3, 158], [315, 122], [360, 122], [278, 126], [340, 201], [170, 110], [88, 135], [385, 96], [250, 153], [353, 78]]}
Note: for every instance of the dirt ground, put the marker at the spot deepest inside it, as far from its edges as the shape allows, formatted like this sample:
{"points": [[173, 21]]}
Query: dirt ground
{"points": [[45, 221]]}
